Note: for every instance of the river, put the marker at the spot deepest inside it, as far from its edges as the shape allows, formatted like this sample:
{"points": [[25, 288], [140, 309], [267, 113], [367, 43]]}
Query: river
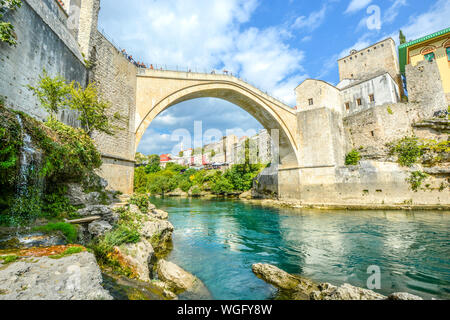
{"points": [[219, 240]]}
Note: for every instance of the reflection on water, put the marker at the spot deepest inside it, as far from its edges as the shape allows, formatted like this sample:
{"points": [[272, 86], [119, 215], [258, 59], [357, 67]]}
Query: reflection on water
{"points": [[219, 240]]}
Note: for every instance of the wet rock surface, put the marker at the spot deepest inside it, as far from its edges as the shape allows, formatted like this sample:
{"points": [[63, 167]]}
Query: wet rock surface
{"points": [[182, 282], [293, 287]]}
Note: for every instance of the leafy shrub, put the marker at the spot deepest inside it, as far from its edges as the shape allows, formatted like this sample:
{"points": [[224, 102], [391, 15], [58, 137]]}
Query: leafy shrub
{"points": [[416, 179], [408, 150], [140, 200], [68, 230], [9, 259], [352, 158], [6, 28], [222, 186]]}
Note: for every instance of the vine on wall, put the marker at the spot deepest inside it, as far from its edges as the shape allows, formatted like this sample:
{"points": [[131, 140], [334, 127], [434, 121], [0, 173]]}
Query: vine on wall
{"points": [[7, 34]]}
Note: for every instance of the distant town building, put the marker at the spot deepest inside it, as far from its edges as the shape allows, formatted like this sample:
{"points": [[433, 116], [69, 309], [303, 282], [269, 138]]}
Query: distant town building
{"points": [[433, 47], [164, 159]]}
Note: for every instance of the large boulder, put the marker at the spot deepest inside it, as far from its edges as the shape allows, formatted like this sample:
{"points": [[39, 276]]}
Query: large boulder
{"points": [[246, 195], [76, 195], [275, 276], [75, 277], [345, 292], [158, 232], [99, 228], [180, 281], [160, 214], [403, 296], [293, 286], [138, 257], [106, 212]]}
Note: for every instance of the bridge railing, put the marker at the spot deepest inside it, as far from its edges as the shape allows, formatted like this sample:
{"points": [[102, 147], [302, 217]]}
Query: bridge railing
{"points": [[180, 68]]}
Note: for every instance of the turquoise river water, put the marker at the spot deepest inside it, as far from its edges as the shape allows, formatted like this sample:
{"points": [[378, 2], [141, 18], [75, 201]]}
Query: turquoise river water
{"points": [[219, 240]]}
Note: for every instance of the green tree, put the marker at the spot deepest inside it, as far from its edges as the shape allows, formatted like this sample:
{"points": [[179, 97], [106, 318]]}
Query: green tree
{"points": [[402, 37], [153, 165], [52, 93], [6, 28], [93, 112], [180, 154]]}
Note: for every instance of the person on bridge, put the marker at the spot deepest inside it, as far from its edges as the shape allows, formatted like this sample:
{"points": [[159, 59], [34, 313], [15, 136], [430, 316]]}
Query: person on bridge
{"points": [[151, 67]]}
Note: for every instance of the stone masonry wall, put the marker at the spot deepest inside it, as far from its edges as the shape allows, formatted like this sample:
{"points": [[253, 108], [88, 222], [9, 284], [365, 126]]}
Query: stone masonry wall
{"points": [[115, 77], [381, 56], [43, 42], [424, 84], [373, 128]]}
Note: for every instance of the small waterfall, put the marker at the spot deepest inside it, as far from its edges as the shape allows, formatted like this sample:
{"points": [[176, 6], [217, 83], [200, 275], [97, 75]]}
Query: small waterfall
{"points": [[30, 183]]}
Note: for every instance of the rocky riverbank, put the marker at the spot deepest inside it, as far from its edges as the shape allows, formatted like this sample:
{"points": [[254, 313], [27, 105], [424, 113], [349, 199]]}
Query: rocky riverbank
{"points": [[123, 240], [294, 287]]}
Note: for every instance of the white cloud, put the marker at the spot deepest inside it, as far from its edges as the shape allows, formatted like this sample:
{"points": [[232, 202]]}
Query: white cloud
{"points": [[436, 19], [393, 11], [356, 5], [313, 21]]}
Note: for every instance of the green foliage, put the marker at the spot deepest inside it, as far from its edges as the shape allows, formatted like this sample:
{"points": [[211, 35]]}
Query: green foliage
{"points": [[68, 230], [352, 158], [56, 204], [408, 150], [6, 28], [153, 164], [401, 37], [416, 179], [238, 178], [222, 185], [140, 200], [9, 259], [70, 154], [93, 112], [67, 252], [52, 93], [10, 144], [103, 246], [196, 191]]}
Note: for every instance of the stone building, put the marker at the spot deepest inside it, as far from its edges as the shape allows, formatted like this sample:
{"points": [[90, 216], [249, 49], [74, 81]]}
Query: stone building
{"points": [[368, 78], [436, 47], [260, 149]]}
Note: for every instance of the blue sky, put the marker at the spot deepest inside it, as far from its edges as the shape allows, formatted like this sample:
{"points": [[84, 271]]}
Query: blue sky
{"points": [[274, 45]]}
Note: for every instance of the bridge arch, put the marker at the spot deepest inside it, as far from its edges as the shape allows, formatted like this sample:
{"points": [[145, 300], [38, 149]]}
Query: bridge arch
{"points": [[160, 90]]}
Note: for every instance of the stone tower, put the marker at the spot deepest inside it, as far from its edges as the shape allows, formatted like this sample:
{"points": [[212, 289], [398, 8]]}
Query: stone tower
{"points": [[82, 22]]}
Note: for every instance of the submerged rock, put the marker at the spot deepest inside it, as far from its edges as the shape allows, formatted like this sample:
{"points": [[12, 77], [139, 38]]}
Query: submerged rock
{"points": [[75, 277], [180, 281], [294, 287]]}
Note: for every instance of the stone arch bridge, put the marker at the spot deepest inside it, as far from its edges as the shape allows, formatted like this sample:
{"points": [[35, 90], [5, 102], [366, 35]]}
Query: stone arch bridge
{"points": [[158, 90]]}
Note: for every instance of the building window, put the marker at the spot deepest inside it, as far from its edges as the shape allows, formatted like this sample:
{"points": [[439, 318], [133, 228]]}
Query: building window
{"points": [[371, 98], [347, 106], [429, 56], [359, 102], [448, 53], [311, 101]]}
